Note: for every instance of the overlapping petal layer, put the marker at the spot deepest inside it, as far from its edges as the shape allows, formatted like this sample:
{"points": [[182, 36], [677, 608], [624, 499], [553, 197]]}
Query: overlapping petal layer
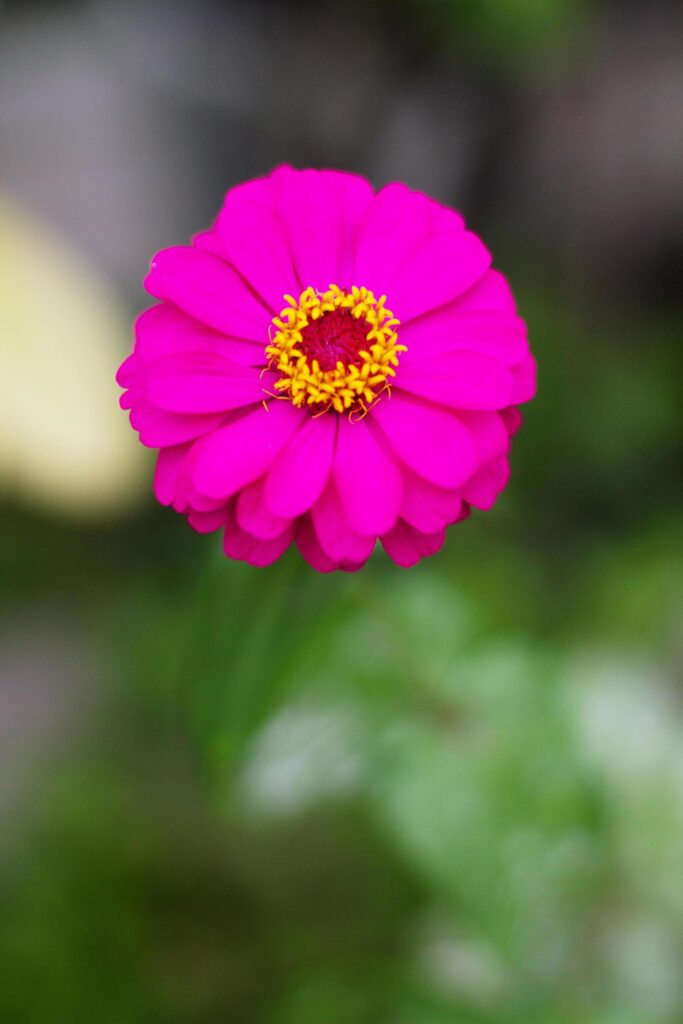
{"points": [[235, 457]]}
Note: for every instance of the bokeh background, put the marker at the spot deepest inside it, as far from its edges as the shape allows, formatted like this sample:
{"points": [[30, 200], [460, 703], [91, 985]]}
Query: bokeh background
{"points": [[452, 795]]}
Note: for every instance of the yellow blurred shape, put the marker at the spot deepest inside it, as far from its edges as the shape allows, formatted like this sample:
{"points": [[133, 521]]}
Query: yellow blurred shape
{"points": [[64, 443]]}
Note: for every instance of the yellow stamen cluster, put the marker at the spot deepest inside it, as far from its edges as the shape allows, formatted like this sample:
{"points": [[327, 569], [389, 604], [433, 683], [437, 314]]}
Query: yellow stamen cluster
{"points": [[350, 386]]}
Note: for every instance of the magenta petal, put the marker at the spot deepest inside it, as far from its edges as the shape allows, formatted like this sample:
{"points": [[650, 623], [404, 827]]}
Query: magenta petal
{"points": [[309, 546], [311, 217], [159, 429], [426, 507], [524, 387], [512, 418], [127, 399], [337, 539], [210, 290], [460, 380], [488, 332], [164, 330], [127, 373], [200, 383], [189, 500], [354, 196], [254, 241], [242, 450], [296, 480], [348, 566], [242, 546], [489, 432], [209, 241], [444, 266], [261, 190], [491, 292], [368, 480], [254, 516], [397, 223], [406, 546], [208, 522], [169, 465], [428, 439], [485, 486]]}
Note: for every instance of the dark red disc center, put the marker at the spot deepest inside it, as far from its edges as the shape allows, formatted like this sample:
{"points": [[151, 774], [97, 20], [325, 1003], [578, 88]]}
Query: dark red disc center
{"points": [[335, 337]]}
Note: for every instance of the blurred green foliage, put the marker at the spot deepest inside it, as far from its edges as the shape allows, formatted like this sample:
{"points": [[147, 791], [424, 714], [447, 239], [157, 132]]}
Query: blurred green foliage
{"points": [[439, 796], [505, 31]]}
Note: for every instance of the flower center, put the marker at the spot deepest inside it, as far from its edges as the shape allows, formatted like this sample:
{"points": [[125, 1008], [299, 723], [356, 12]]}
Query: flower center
{"points": [[336, 337], [334, 350]]}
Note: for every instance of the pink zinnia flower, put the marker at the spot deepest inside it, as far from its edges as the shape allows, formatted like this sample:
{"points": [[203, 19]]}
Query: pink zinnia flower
{"points": [[328, 366]]}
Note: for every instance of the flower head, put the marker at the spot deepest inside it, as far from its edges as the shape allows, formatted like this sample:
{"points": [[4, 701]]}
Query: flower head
{"points": [[328, 366]]}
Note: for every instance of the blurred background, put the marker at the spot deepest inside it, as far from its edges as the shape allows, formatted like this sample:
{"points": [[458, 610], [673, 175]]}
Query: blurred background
{"points": [[452, 795]]}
